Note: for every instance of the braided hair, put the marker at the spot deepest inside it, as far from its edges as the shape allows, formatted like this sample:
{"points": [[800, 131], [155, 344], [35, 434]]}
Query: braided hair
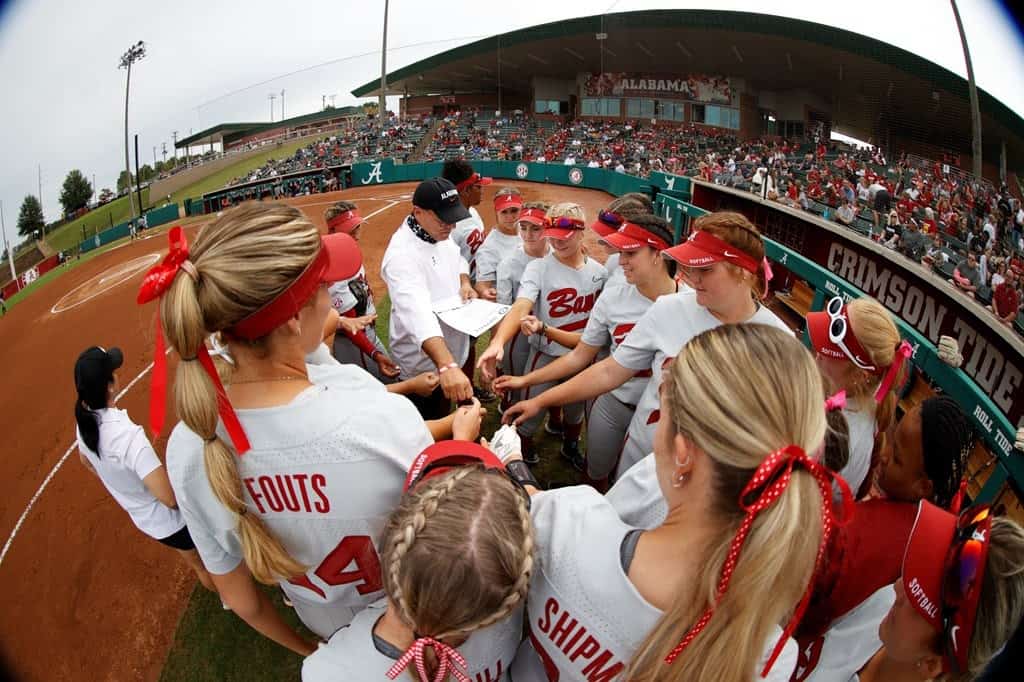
{"points": [[947, 439], [458, 553]]}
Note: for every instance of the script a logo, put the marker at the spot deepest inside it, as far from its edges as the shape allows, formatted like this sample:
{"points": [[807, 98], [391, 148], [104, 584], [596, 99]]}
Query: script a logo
{"points": [[374, 176]]}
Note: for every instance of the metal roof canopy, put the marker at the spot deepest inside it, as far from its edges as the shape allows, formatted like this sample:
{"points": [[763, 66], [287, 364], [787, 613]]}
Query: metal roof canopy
{"points": [[217, 133], [870, 85]]}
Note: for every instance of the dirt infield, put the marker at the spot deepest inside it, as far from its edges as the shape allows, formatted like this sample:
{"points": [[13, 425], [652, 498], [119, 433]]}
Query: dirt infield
{"points": [[85, 595]]}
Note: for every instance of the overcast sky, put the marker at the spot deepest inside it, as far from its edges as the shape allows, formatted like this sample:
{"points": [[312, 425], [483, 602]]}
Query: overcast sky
{"points": [[64, 94]]}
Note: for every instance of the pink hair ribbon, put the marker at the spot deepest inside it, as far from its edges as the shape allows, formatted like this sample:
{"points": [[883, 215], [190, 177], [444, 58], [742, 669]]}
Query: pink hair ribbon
{"points": [[766, 486], [768, 276], [903, 351], [448, 658], [836, 401]]}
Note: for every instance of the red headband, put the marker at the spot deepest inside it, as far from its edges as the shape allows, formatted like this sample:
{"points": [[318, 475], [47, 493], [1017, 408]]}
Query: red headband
{"points": [[703, 249], [344, 222], [474, 179], [503, 201], [631, 236], [156, 282], [537, 216], [766, 486]]}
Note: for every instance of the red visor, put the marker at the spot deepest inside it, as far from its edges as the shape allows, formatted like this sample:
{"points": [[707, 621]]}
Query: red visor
{"points": [[445, 454], [537, 216], [563, 227], [631, 237], [474, 179], [607, 222], [339, 258], [704, 249], [503, 201], [818, 329], [344, 222]]}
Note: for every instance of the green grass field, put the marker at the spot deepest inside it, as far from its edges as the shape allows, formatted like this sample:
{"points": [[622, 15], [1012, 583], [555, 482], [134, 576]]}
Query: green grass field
{"points": [[213, 644], [67, 237]]}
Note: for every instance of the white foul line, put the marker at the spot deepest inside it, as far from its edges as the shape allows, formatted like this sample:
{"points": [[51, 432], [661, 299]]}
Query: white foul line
{"points": [[56, 468]]}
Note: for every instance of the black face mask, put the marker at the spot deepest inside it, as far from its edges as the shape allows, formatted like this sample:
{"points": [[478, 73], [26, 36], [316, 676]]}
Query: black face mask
{"points": [[419, 231]]}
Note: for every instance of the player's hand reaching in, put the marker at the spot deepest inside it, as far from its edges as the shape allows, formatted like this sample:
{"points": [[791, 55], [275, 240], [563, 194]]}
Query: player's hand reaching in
{"points": [[507, 382], [467, 292], [456, 385], [354, 325], [424, 384], [488, 361], [466, 425], [386, 365], [520, 412], [530, 325]]}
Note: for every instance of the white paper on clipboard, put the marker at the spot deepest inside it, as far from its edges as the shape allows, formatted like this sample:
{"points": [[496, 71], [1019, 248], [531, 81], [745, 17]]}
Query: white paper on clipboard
{"points": [[473, 318]]}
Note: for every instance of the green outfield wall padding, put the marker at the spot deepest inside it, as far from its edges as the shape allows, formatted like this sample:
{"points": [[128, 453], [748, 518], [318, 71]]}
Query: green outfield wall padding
{"points": [[162, 215]]}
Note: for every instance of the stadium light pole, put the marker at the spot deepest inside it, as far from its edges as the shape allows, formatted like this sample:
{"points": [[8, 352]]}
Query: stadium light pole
{"points": [[972, 88], [7, 244], [271, 97], [132, 55], [381, 104], [282, 104]]}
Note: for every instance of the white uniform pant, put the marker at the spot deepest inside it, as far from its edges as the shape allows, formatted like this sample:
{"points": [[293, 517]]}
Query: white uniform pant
{"points": [[571, 414], [347, 353], [607, 424], [639, 441]]}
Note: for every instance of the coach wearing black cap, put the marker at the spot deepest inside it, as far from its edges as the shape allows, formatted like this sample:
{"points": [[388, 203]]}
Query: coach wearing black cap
{"points": [[424, 272]]}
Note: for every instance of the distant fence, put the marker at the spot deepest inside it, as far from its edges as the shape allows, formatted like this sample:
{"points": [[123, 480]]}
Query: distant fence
{"points": [[158, 216]]}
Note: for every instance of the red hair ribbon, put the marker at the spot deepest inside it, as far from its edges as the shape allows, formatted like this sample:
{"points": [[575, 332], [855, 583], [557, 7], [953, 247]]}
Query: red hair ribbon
{"points": [[448, 658], [768, 276], [766, 486], [154, 285], [903, 351], [958, 498], [836, 401]]}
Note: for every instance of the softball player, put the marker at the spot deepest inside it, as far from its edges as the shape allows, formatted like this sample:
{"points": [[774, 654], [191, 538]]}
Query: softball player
{"points": [[352, 298], [860, 351], [295, 486], [608, 601], [647, 277], [532, 220], [456, 588], [722, 262], [501, 241], [117, 452], [561, 289], [610, 219], [468, 234]]}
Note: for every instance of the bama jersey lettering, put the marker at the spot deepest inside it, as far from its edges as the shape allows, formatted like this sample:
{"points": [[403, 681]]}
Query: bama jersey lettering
{"points": [[322, 476], [562, 297]]}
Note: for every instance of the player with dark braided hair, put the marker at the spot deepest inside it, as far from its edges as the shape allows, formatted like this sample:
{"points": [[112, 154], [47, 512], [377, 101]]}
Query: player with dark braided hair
{"points": [[926, 456], [457, 559]]}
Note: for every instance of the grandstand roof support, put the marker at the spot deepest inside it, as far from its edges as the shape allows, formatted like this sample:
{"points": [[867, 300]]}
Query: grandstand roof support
{"points": [[972, 88], [382, 106]]}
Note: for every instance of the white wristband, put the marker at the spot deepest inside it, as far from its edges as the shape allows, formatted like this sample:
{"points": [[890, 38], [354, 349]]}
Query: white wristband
{"points": [[450, 365]]}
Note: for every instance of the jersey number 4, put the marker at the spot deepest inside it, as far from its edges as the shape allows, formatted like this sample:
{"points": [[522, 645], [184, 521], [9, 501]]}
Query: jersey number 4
{"points": [[356, 549]]}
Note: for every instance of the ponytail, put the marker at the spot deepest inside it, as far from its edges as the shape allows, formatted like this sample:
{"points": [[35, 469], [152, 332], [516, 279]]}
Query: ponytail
{"points": [[241, 261], [88, 427]]}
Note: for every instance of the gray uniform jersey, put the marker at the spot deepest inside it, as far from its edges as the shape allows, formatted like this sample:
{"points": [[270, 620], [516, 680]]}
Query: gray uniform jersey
{"points": [[657, 338], [562, 296], [615, 274], [322, 476], [510, 274], [586, 618], [496, 247], [353, 653]]}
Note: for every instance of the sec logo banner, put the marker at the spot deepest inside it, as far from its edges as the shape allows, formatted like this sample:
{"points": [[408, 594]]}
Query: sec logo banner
{"points": [[522, 170], [575, 176]]}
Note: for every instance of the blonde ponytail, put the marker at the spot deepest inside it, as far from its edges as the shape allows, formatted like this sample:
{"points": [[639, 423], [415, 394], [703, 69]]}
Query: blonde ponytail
{"points": [[740, 393], [241, 261]]}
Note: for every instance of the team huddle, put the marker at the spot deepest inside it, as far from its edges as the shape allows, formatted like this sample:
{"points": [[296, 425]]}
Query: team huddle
{"points": [[748, 508]]}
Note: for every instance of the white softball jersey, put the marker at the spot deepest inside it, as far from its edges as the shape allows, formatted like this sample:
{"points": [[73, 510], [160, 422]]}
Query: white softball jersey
{"points": [[354, 653], [637, 497], [586, 619], [127, 458], [613, 317], [848, 644], [510, 274], [657, 338], [322, 475], [615, 274], [496, 247], [419, 277], [863, 427], [468, 235], [353, 293], [562, 296]]}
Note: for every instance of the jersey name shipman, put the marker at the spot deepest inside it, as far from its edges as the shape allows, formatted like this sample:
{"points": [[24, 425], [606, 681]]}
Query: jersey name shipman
{"points": [[596, 663]]}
